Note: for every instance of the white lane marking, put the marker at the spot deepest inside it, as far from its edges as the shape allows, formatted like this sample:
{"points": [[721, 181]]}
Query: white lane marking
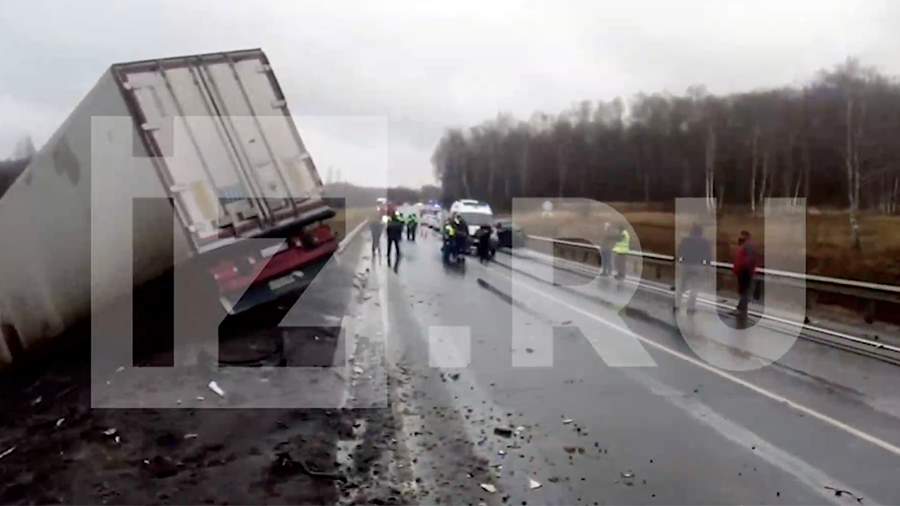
{"points": [[346, 240], [865, 436], [809, 475]]}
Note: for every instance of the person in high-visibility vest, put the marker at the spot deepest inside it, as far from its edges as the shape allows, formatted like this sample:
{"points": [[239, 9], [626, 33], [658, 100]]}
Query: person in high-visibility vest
{"points": [[449, 229], [621, 249], [411, 224]]}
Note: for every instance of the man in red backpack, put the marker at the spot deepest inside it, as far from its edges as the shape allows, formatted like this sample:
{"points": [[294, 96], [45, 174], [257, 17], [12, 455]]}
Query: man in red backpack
{"points": [[744, 269]]}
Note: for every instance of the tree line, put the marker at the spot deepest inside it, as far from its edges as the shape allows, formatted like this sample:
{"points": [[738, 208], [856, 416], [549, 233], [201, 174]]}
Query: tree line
{"points": [[832, 140]]}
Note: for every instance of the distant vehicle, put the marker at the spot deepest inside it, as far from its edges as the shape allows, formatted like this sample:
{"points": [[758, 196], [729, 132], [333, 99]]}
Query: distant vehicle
{"points": [[432, 216], [381, 204], [476, 213], [509, 236]]}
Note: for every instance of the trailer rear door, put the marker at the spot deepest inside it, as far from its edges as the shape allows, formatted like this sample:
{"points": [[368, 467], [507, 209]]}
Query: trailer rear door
{"points": [[227, 149]]}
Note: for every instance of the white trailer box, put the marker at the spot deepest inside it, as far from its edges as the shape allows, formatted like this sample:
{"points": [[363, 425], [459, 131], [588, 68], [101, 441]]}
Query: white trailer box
{"points": [[210, 138]]}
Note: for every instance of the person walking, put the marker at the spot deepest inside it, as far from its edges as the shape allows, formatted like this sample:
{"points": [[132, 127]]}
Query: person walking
{"points": [[744, 270], [394, 235], [621, 249], [695, 254]]}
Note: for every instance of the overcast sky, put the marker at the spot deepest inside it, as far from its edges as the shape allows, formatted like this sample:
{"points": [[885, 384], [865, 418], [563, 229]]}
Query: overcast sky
{"points": [[363, 74]]}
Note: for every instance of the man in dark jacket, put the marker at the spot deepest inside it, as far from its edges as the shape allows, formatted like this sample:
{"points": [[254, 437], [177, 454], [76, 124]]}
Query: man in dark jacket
{"points": [[394, 235], [695, 254], [744, 269], [483, 243]]}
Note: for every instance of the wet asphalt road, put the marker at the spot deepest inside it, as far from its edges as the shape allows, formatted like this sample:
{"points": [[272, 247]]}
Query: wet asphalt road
{"points": [[677, 432], [409, 414]]}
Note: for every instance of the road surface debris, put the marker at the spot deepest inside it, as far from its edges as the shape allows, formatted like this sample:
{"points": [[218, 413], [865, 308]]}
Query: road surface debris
{"points": [[489, 488], [838, 492], [216, 388], [503, 431], [7, 452]]}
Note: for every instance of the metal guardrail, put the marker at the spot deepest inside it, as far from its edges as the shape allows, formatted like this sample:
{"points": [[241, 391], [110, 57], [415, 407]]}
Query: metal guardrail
{"points": [[825, 335], [761, 270], [867, 291]]}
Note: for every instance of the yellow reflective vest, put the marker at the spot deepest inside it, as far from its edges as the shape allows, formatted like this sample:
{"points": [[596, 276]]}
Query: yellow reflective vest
{"points": [[623, 245]]}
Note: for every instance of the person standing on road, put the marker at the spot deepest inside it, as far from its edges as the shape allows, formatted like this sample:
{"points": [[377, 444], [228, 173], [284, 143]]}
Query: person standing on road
{"points": [[694, 253], [394, 235], [744, 269], [621, 249], [607, 241], [412, 223], [462, 234], [375, 228], [483, 242]]}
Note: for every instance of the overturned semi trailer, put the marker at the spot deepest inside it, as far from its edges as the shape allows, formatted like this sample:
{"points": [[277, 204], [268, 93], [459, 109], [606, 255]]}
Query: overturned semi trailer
{"points": [[163, 163]]}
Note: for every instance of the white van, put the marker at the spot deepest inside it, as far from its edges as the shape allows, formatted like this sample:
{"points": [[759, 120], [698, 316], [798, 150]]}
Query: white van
{"points": [[475, 212]]}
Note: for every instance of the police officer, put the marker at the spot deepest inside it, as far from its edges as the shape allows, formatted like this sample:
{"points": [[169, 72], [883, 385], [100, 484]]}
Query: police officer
{"points": [[411, 224], [462, 234]]}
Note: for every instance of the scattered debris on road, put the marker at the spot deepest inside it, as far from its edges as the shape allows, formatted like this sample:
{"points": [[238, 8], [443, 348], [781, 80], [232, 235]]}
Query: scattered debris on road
{"points": [[628, 477], [838, 492], [489, 488], [216, 388], [532, 484], [191, 436], [286, 465], [7, 452], [567, 421], [503, 431], [162, 467], [110, 431]]}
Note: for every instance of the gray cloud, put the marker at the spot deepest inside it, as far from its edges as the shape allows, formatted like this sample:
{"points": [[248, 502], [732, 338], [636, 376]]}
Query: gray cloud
{"points": [[426, 66]]}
